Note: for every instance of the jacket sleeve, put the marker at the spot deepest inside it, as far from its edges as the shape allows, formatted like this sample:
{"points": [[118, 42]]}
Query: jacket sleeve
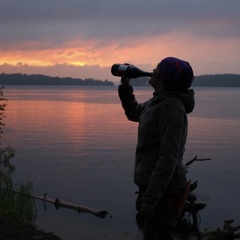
{"points": [[133, 109], [172, 122]]}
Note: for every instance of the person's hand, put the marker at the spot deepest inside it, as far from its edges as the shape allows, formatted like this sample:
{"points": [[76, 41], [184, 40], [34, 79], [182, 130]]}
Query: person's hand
{"points": [[146, 209], [125, 80]]}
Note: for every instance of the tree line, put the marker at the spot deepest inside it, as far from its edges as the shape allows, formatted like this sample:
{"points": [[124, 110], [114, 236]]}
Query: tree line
{"points": [[38, 79], [215, 80], [218, 80]]}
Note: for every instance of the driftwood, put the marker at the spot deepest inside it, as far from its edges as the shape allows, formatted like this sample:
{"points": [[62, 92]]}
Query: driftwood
{"points": [[58, 203], [79, 208]]}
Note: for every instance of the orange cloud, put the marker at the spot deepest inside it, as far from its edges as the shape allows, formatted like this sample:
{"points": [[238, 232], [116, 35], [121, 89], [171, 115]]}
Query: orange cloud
{"points": [[205, 55], [80, 52]]}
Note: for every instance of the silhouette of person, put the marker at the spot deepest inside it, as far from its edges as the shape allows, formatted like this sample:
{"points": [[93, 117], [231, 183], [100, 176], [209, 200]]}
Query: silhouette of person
{"points": [[162, 132]]}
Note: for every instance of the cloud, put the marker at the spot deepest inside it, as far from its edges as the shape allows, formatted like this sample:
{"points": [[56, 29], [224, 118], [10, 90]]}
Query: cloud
{"points": [[97, 33], [58, 21]]}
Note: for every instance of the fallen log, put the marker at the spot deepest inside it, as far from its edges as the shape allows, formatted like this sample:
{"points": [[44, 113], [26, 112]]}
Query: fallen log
{"points": [[58, 203], [79, 208]]}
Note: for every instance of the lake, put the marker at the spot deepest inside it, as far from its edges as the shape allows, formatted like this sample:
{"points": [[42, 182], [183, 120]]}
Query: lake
{"points": [[76, 144]]}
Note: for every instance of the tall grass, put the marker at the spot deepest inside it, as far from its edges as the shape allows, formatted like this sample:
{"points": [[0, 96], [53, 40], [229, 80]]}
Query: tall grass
{"points": [[16, 200]]}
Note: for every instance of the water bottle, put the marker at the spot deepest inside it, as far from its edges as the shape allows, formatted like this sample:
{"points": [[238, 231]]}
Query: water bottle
{"points": [[129, 71]]}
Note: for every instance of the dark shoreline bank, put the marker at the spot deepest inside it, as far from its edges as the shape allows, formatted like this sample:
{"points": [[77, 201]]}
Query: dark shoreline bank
{"points": [[12, 229]]}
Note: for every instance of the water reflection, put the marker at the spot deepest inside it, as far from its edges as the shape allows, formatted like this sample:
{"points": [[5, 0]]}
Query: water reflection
{"points": [[76, 144]]}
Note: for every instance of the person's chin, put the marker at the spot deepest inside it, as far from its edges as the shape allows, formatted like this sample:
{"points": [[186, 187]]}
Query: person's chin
{"points": [[150, 83]]}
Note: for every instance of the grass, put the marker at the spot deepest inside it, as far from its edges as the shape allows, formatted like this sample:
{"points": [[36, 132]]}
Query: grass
{"points": [[15, 200]]}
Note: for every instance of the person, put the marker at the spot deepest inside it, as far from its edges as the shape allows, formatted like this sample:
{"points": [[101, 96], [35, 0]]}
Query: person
{"points": [[162, 133]]}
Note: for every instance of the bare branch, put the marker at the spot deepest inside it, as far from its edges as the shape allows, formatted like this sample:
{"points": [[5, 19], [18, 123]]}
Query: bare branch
{"points": [[197, 159]]}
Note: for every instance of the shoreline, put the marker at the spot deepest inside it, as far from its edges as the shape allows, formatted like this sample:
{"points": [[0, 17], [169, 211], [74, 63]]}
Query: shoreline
{"points": [[12, 228]]}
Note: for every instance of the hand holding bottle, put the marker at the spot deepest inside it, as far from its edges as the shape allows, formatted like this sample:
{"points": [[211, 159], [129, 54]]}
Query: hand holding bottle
{"points": [[125, 80]]}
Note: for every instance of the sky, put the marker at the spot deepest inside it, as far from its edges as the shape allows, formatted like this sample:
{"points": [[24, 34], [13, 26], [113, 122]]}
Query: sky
{"points": [[84, 38]]}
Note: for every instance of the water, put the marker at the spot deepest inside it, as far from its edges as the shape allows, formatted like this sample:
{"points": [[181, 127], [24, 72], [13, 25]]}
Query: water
{"points": [[76, 144]]}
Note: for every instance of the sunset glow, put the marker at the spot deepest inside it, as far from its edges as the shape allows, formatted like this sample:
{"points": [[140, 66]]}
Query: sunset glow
{"points": [[87, 42]]}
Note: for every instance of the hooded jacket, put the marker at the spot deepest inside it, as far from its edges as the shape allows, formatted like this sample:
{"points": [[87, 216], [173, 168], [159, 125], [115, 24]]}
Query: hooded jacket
{"points": [[162, 134]]}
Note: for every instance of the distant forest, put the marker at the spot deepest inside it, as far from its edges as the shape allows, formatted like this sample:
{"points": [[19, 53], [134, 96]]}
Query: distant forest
{"points": [[38, 79], [216, 80]]}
